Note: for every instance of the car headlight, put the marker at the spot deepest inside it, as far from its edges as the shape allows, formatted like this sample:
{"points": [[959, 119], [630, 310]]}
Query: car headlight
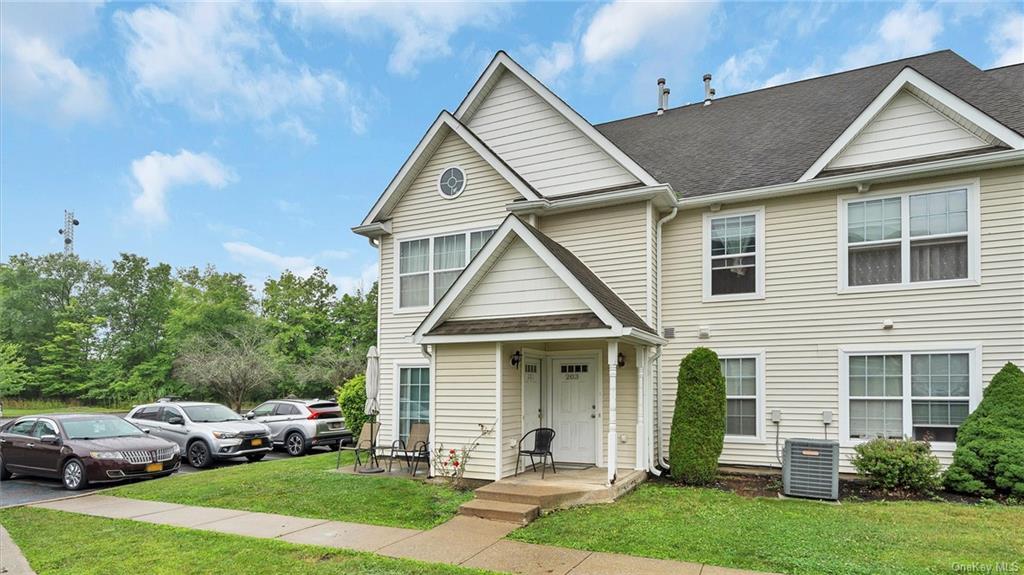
{"points": [[225, 434], [175, 448], [106, 455]]}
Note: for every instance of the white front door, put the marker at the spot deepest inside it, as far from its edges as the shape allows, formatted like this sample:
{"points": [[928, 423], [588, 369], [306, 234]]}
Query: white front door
{"points": [[574, 410]]}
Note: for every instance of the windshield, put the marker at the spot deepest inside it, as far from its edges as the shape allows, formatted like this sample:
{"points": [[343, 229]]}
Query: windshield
{"points": [[212, 413], [99, 428]]}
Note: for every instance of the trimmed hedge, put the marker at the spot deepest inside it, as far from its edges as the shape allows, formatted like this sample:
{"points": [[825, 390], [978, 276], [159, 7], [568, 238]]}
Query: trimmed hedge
{"points": [[352, 399], [898, 464], [698, 422], [989, 456]]}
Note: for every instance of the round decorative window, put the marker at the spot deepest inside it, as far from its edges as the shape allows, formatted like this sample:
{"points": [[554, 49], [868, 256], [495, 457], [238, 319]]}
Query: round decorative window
{"points": [[452, 182]]}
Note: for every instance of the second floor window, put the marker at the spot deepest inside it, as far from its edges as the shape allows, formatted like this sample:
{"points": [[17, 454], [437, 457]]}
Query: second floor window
{"points": [[733, 266], [427, 267], [908, 239]]}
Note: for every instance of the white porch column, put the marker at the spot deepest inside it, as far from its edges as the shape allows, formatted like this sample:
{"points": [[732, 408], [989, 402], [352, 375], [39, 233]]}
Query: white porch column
{"points": [[613, 441], [641, 407]]}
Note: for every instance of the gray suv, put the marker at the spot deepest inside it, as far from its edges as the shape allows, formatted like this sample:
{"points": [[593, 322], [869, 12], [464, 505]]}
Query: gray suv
{"points": [[205, 432], [300, 424]]}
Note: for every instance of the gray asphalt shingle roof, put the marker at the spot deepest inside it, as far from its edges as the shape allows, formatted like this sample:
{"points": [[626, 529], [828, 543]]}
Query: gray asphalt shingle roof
{"points": [[559, 322], [772, 136]]}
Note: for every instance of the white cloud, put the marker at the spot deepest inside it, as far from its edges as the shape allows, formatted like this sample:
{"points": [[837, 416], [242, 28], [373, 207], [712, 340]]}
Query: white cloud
{"points": [[422, 30], [906, 31], [795, 74], [38, 73], [248, 253], [742, 72], [1007, 40], [548, 64], [219, 61], [157, 173], [617, 29], [263, 263], [362, 282]]}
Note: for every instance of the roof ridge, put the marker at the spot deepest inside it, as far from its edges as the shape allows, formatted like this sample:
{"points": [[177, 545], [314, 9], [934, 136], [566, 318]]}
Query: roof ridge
{"points": [[788, 84]]}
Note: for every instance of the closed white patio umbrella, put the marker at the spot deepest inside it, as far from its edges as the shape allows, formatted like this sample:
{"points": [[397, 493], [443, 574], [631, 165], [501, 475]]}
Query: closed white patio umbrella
{"points": [[372, 407]]}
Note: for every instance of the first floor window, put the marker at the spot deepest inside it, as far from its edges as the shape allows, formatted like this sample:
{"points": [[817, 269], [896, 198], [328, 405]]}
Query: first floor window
{"points": [[741, 395], [910, 238], [733, 254], [428, 267], [931, 407], [413, 398]]}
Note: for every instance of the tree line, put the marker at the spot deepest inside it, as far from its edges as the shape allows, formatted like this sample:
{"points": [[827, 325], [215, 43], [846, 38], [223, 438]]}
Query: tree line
{"points": [[72, 329]]}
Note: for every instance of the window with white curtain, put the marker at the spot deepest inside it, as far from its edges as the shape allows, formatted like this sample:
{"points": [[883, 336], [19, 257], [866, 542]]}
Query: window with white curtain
{"points": [[924, 395], [733, 266], [741, 385], [427, 267], [908, 238]]}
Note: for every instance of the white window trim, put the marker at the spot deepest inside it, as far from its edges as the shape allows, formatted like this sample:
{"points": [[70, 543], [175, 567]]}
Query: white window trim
{"points": [[759, 257], [397, 241], [465, 181], [396, 405], [973, 187], [759, 356], [974, 350]]}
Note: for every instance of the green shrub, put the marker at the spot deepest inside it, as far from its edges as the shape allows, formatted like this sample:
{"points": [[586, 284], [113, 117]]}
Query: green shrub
{"points": [[698, 423], [989, 456], [898, 464], [352, 399]]}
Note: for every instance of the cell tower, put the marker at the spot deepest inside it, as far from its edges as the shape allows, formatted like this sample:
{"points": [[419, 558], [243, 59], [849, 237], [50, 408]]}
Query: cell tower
{"points": [[68, 231]]}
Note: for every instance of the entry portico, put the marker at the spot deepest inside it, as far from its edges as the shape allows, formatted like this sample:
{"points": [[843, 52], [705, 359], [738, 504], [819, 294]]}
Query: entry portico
{"points": [[528, 336]]}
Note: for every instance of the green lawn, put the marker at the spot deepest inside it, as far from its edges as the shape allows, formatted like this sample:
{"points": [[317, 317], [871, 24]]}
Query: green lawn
{"points": [[56, 542], [711, 526], [58, 408], [308, 487]]}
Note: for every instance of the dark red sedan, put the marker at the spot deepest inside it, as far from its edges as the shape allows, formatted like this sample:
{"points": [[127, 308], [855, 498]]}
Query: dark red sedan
{"points": [[83, 449]]}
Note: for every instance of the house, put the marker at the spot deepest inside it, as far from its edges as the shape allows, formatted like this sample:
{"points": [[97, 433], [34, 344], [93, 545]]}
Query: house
{"points": [[851, 245]]}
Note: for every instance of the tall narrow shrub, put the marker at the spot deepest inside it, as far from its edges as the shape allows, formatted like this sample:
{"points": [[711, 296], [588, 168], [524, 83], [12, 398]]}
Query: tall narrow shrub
{"points": [[698, 423], [989, 456], [352, 400]]}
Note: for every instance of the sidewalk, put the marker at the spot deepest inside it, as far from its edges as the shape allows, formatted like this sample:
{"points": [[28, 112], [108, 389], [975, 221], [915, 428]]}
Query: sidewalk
{"points": [[466, 541], [12, 562]]}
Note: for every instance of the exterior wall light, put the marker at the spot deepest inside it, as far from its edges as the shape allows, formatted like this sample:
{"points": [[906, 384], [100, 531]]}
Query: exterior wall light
{"points": [[622, 360], [516, 359]]}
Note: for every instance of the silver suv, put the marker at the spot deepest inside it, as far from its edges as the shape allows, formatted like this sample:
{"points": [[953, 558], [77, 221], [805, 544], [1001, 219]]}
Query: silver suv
{"points": [[205, 432], [300, 424]]}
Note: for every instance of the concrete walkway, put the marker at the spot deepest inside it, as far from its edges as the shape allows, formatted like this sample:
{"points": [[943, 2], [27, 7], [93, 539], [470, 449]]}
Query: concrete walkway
{"points": [[467, 541], [12, 562]]}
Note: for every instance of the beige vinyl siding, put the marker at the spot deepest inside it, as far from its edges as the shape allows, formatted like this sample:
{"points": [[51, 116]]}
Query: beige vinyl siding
{"points": [[465, 395], [540, 144], [803, 321], [613, 242], [519, 284], [420, 213], [906, 128], [511, 410]]}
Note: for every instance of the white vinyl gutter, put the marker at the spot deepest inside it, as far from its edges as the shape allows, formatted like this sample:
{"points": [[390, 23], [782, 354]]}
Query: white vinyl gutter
{"points": [[656, 452], [883, 175], [662, 195]]}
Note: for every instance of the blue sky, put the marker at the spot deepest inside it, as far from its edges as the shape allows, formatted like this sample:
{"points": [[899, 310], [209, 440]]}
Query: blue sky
{"points": [[253, 136]]}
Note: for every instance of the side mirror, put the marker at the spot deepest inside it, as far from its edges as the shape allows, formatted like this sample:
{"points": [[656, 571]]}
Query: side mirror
{"points": [[145, 431], [51, 439], [175, 420], [250, 415]]}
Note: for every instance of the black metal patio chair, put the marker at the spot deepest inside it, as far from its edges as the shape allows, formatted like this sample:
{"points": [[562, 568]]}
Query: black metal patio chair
{"points": [[542, 438]]}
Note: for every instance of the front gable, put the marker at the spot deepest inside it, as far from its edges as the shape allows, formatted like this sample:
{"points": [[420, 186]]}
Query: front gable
{"points": [[912, 119], [542, 138]]}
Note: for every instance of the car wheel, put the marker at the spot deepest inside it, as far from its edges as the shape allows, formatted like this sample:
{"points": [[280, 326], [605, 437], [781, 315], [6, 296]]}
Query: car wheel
{"points": [[295, 444], [199, 454], [4, 474], [255, 456], [73, 475]]}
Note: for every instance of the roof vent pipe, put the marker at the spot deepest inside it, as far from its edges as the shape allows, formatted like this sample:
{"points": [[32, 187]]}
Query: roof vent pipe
{"points": [[662, 96], [709, 92]]}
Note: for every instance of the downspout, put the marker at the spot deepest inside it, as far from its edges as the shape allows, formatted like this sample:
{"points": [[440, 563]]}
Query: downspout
{"points": [[660, 462]]}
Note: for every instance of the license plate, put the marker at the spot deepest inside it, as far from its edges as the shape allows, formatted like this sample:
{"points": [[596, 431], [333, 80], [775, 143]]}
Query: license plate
{"points": [[334, 426], [256, 442], [154, 467]]}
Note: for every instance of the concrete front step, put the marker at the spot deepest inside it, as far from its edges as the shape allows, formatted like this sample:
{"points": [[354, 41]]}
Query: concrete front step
{"points": [[543, 496], [521, 513]]}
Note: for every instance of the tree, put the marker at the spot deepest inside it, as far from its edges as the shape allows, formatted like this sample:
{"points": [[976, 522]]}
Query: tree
{"points": [[14, 375], [233, 364], [989, 455], [65, 366], [352, 399], [698, 423]]}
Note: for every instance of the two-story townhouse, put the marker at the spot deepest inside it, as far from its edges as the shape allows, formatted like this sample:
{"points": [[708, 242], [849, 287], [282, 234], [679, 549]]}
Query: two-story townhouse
{"points": [[852, 246]]}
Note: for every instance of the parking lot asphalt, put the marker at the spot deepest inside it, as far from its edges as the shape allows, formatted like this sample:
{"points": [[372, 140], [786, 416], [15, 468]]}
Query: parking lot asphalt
{"points": [[20, 489]]}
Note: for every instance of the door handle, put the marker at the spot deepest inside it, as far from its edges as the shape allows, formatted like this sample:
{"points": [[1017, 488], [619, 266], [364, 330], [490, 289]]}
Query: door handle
{"points": [[30, 445], [2, 441]]}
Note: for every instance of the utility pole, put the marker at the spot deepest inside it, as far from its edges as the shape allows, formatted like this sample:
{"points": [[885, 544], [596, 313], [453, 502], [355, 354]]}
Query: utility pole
{"points": [[68, 231]]}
